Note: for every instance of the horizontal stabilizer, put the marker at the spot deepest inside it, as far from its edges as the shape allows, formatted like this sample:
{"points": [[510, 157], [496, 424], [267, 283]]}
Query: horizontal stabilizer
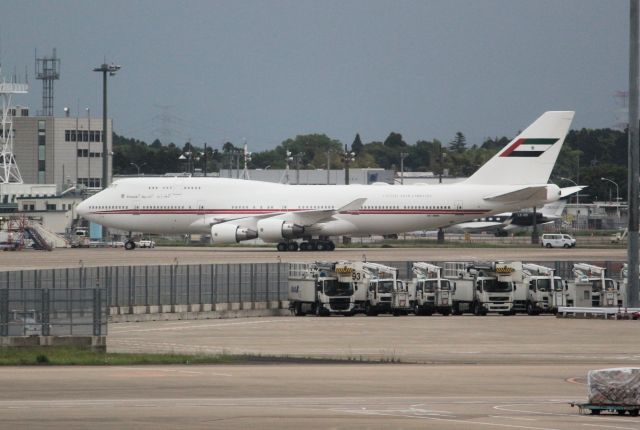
{"points": [[523, 194], [566, 192]]}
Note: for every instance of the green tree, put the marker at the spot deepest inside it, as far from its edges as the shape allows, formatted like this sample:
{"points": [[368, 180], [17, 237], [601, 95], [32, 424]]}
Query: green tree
{"points": [[459, 143]]}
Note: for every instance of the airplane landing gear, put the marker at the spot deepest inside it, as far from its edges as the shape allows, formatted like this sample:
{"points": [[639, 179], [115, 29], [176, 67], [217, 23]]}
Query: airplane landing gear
{"points": [[311, 245], [129, 245]]}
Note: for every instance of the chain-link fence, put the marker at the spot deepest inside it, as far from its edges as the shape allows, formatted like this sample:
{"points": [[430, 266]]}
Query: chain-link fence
{"points": [[49, 312], [163, 285]]}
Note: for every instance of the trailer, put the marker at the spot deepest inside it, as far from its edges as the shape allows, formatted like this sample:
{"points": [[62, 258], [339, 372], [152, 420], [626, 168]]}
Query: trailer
{"points": [[595, 409], [430, 291], [314, 288]]}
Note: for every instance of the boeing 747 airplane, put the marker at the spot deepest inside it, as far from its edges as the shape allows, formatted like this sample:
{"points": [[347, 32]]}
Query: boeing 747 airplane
{"points": [[305, 216]]}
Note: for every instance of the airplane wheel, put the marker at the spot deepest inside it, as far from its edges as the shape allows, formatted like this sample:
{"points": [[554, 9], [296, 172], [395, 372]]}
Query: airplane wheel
{"points": [[304, 246], [129, 245], [320, 246], [331, 246], [313, 246], [292, 246], [282, 247]]}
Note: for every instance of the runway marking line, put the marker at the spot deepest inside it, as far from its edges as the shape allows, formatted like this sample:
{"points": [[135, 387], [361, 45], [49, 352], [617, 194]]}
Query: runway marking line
{"points": [[512, 418], [611, 427], [192, 326]]}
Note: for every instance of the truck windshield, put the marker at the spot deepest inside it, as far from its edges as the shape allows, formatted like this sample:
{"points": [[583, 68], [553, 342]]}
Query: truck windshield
{"points": [[385, 286], [430, 286], [596, 285], [495, 286], [334, 288], [444, 285], [557, 284], [543, 284]]}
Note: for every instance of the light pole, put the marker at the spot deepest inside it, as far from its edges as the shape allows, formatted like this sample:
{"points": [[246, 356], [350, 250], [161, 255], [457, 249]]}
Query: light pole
{"points": [[403, 155], [138, 167], [88, 144], [617, 195], [111, 69], [577, 193]]}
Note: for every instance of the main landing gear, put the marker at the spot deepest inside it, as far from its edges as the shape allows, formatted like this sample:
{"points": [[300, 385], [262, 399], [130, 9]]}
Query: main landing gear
{"points": [[311, 245], [129, 245]]}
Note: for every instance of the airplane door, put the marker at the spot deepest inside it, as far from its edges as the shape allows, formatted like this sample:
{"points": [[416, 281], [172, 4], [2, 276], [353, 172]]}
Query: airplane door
{"points": [[458, 205], [200, 207], [136, 207]]}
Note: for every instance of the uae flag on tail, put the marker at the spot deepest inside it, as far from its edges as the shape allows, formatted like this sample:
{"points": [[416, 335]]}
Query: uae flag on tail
{"points": [[528, 147]]}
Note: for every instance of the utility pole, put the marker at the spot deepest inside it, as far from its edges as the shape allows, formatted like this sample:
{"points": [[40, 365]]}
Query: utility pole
{"points": [[204, 160], [633, 299]]}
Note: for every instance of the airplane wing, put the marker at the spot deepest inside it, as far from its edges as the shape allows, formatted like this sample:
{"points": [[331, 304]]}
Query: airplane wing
{"points": [[303, 218], [477, 225], [526, 193], [310, 217]]}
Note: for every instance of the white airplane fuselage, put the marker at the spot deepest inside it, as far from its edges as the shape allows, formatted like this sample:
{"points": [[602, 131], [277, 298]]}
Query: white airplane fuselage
{"points": [[193, 205]]}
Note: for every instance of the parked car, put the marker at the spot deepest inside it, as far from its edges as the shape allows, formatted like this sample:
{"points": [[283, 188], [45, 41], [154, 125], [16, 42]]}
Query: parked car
{"points": [[558, 240]]}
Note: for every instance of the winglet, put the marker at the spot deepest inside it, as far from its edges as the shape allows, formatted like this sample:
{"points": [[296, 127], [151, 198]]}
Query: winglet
{"points": [[353, 206]]}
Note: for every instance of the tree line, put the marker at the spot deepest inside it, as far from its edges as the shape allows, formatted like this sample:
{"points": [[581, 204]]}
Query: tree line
{"points": [[587, 156]]}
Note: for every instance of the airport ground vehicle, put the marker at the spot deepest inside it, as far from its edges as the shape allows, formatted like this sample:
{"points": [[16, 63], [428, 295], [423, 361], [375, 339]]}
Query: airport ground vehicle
{"points": [[557, 240], [146, 243], [482, 287], [314, 288], [545, 292], [590, 287], [25, 323], [430, 291], [373, 285]]}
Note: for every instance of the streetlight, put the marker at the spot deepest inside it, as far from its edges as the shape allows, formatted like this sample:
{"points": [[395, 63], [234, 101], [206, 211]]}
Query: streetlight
{"points": [[111, 69], [577, 193], [617, 195], [403, 155], [348, 157], [138, 167]]}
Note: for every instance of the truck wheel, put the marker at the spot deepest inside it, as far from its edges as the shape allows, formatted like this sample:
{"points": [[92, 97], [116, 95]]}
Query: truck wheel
{"points": [[595, 411], [446, 312], [417, 310], [634, 412], [297, 310], [129, 245]]}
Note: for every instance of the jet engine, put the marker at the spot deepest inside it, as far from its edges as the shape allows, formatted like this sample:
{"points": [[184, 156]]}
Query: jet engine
{"points": [[231, 233], [275, 230]]}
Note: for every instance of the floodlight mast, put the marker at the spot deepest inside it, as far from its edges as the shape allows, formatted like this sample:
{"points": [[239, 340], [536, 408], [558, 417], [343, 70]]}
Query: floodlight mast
{"points": [[111, 69]]}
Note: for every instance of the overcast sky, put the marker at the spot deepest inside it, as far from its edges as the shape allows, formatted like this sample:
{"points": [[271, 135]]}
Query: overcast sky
{"points": [[270, 70]]}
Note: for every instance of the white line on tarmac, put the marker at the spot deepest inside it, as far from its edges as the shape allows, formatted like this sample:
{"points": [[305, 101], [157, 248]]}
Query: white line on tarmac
{"points": [[610, 426], [512, 418], [576, 415]]}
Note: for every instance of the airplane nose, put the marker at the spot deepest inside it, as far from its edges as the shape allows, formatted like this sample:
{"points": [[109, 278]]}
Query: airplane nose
{"points": [[83, 208]]}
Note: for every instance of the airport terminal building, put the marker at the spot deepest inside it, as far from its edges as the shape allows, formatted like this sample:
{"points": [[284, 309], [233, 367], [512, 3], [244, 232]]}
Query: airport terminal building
{"points": [[60, 150]]}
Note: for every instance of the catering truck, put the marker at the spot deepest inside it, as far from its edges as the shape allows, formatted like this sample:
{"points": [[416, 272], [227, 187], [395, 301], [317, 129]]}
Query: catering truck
{"points": [[482, 287], [314, 288], [373, 285], [545, 291], [430, 291], [591, 288]]}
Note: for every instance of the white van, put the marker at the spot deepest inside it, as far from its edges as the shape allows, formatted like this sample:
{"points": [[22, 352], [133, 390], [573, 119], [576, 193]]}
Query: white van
{"points": [[558, 240]]}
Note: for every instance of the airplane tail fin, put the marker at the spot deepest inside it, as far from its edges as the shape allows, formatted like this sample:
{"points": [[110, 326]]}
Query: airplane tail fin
{"points": [[529, 158], [553, 210]]}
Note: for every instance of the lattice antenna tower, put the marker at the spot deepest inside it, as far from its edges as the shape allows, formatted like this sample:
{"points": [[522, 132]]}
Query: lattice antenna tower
{"points": [[166, 119], [47, 70], [9, 172]]}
